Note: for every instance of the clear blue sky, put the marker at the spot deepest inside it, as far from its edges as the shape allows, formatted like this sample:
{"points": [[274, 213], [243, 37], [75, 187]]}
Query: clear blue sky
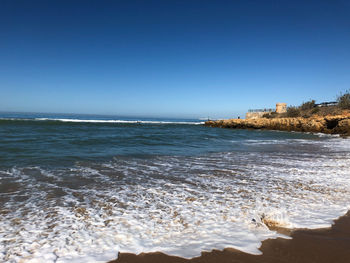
{"points": [[171, 58]]}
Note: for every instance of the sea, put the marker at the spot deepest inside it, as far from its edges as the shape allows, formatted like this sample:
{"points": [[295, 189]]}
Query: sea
{"points": [[82, 188]]}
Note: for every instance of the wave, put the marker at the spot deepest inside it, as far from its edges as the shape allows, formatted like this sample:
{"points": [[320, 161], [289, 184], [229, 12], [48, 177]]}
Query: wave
{"points": [[103, 121]]}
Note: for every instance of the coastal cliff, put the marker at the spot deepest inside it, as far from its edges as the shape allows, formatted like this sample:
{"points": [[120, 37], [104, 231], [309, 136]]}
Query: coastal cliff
{"points": [[336, 124]]}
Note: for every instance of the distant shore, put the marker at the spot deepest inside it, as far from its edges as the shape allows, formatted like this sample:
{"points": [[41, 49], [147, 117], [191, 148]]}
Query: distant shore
{"points": [[333, 124], [306, 246]]}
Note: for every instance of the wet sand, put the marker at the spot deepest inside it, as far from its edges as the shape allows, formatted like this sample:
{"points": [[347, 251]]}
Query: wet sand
{"points": [[306, 246]]}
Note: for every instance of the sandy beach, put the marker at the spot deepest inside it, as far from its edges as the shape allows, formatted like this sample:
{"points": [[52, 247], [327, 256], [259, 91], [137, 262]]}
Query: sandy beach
{"points": [[306, 246]]}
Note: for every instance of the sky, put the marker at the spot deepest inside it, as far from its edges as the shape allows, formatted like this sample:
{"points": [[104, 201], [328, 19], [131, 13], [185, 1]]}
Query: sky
{"points": [[186, 59]]}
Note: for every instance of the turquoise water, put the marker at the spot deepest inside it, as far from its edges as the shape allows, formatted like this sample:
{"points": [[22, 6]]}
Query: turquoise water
{"points": [[81, 188]]}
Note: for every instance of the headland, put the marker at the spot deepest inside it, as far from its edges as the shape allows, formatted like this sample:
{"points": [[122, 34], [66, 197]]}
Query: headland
{"points": [[331, 124], [326, 117]]}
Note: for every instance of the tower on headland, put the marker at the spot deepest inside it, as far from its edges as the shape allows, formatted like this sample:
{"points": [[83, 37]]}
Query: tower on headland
{"points": [[259, 113], [281, 107]]}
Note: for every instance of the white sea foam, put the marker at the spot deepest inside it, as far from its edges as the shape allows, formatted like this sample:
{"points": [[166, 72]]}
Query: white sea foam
{"points": [[178, 205], [118, 121], [105, 121]]}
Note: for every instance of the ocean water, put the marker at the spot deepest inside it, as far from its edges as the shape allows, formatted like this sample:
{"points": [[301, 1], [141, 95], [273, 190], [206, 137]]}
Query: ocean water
{"points": [[81, 188]]}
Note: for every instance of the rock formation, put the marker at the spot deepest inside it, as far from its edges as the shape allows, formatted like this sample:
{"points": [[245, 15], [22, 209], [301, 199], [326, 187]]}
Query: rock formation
{"points": [[336, 124]]}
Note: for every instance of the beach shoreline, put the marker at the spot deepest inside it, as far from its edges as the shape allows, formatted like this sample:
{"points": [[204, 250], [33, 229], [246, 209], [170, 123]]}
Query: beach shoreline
{"points": [[178, 201], [323, 245]]}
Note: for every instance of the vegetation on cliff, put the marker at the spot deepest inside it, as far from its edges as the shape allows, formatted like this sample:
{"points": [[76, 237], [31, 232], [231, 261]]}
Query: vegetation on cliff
{"points": [[310, 108], [344, 100]]}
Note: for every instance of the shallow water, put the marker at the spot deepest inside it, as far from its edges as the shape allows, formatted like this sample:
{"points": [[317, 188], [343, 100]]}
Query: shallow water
{"points": [[86, 188]]}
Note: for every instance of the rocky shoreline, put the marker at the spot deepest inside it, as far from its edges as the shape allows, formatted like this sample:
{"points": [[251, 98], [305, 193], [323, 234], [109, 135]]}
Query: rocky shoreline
{"points": [[335, 124]]}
